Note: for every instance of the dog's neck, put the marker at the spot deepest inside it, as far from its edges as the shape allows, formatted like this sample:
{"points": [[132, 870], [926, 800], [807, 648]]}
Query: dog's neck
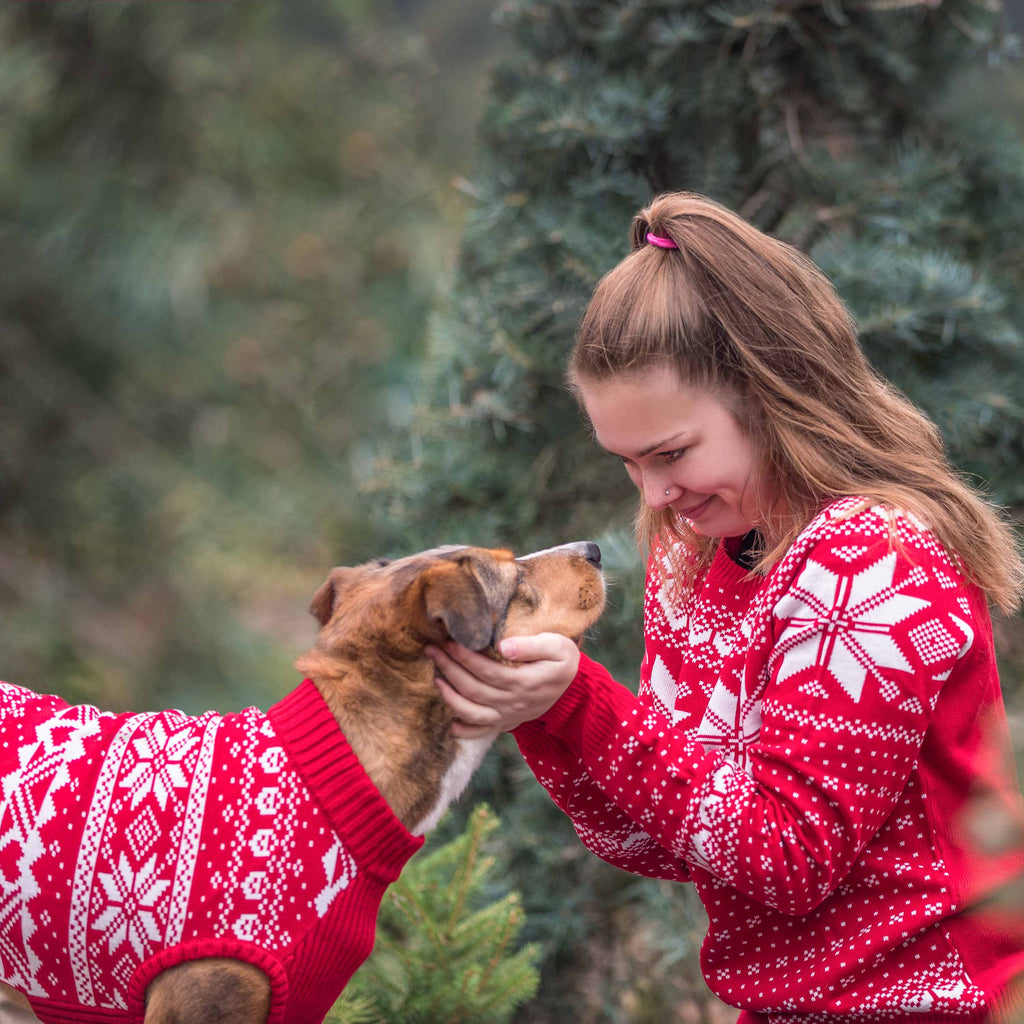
{"points": [[394, 719]]}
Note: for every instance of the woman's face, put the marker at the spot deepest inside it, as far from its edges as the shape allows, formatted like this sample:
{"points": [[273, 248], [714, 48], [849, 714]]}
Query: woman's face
{"points": [[681, 446]]}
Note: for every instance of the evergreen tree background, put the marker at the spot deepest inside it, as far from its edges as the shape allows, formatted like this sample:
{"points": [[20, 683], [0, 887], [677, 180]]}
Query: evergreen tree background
{"points": [[222, 227], [875, 135], [236, 348]]}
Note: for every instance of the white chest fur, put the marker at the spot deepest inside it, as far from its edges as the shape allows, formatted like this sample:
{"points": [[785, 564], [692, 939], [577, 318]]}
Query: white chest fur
{"points": [[467, 760]]}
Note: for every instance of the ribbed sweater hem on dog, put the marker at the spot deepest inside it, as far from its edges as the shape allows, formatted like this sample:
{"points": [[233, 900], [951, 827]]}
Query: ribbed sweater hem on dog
{"points": [[135, 842]]}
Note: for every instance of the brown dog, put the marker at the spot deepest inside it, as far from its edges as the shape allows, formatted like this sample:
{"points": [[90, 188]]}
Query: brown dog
{"points": [[393, 757]]}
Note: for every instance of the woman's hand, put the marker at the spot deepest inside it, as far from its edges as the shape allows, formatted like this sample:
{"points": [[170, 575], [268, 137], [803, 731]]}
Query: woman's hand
{"points": [[489, 696]]}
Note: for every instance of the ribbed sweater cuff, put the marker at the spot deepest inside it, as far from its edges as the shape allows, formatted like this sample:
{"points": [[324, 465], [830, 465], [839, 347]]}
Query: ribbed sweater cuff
{"points": [[593, 701], [591, 715], [331, 770]]}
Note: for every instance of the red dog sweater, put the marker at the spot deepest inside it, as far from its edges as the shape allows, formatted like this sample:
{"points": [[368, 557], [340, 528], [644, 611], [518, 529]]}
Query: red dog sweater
{"points": [[804, 748], [131, 843]]}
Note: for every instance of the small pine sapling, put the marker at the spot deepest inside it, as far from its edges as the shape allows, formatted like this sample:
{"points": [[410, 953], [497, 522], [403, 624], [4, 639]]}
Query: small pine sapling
{"points": [[446, 949]]}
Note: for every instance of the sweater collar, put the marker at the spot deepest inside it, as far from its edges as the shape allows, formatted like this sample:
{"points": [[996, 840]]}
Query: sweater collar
{"points": [[357, 812], [731, 576]]}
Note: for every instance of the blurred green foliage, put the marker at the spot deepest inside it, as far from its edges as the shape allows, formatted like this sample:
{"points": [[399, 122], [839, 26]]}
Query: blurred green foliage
{"points": [[269, 305], [222, 228]]}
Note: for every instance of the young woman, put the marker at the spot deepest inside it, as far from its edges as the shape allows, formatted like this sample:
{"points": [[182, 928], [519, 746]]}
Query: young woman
{"points": [[819, 709]]}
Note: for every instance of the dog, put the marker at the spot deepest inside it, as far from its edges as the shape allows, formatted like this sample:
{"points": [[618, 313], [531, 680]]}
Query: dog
{"points": [[167, 869]]}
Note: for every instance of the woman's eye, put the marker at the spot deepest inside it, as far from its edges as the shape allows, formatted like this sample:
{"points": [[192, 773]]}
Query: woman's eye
{"points": [[676, 453]]}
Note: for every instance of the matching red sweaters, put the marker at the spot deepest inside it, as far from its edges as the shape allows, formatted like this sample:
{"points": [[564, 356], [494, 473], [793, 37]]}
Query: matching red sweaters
{"points": [[129, 843], [808, 748]]}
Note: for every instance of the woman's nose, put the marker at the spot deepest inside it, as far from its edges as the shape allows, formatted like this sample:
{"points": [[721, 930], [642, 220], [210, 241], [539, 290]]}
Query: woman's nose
{"points": [[657, 491]]}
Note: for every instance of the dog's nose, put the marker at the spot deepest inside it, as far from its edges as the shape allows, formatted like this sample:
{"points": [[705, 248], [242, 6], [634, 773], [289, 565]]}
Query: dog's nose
{"points": [[592, 553]]}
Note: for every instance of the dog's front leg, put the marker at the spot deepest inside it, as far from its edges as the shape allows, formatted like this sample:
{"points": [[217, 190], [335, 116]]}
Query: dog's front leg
{"points": [[212, 991]]}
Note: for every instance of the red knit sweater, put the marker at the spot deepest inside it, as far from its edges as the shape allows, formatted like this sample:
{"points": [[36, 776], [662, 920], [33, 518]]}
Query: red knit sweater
{"points": [[130, 843], [802, 748]]}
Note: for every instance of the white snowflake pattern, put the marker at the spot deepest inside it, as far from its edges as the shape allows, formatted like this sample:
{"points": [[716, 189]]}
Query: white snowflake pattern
{"points": [[158, 770], [732, 720], [340, 869], [843, 624], [677, 615], [663, 691], [132, 897]]}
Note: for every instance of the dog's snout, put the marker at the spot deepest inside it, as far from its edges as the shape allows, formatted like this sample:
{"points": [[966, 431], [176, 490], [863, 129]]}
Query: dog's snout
{"points": [[585, 549]]}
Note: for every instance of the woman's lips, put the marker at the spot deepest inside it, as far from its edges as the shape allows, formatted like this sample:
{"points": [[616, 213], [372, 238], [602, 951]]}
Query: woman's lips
{"points": [[695, 510]]}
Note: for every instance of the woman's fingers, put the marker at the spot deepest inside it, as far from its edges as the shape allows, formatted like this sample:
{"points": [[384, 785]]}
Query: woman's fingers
{"points": [[472, 721], [461, 731], [465, 672], [541, 647], [485, 694], [466, 711]]}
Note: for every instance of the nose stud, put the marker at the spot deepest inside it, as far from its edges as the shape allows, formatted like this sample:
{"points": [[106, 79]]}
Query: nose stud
{"points": [[668, 492]]}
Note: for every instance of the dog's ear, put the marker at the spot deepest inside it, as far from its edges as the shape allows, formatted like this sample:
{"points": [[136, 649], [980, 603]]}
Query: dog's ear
{"points": [[325, 600], [454, 602]]}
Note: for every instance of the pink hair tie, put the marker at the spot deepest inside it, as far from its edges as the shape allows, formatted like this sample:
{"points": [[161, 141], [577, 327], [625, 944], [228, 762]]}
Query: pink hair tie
{"points": [[661, 243]]}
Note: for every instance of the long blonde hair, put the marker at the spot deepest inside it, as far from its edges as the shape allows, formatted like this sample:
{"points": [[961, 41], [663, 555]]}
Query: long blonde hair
{"points": [[754, 320]]}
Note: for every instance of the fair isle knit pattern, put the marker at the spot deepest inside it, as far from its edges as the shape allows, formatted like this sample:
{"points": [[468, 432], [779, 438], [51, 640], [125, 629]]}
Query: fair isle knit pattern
{"points": [[803, 748], [130, 843]]}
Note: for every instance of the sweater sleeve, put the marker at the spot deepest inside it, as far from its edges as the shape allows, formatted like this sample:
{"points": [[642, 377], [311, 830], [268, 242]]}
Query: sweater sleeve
{"points": [[812, 728], [603, 826], [576, 778]]}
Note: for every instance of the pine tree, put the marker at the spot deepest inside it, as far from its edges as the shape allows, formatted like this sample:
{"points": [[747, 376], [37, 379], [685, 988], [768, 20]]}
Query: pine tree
{"points": [[867, 132], [446, 949], [857, 130]]}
